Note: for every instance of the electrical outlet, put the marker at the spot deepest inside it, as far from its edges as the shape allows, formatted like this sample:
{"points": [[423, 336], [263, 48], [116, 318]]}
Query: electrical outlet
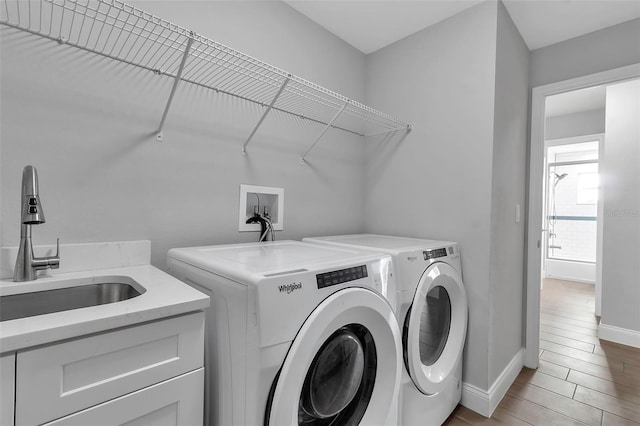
{"points": [[254, 197]]}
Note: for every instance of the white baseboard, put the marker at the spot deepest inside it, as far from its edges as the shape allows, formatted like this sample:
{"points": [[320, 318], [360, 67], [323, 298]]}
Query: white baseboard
{"points": [[571, 278], [619, 335], [485, 402], [475, 399]]}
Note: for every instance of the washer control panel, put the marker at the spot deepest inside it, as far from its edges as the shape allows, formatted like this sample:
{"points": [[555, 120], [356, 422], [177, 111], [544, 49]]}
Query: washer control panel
{"points": [[341, 276]]}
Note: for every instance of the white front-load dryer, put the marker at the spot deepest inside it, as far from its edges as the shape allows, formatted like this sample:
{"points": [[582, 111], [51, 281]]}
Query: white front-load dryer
{"points": [[432, 311], [297, 334]]}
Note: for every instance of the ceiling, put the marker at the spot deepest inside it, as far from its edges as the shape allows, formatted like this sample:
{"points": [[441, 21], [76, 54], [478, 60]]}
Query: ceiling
{"points": [[369, 25], [589, 99]]}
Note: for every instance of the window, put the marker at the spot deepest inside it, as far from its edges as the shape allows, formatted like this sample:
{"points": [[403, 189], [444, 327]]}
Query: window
{"points": [[587, 188]]}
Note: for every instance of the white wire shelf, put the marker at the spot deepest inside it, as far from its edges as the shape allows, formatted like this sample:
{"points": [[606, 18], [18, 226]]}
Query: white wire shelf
{"points": [[118, 31]]}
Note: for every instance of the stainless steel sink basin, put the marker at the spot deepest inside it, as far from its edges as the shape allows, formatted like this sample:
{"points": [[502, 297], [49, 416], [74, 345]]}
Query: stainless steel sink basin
{"points": [[97, 291]]}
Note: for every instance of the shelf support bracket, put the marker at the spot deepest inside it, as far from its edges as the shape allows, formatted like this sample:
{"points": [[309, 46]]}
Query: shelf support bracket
{"points": [[264, 115], [407, 128], [185, 55], [335, 117]]}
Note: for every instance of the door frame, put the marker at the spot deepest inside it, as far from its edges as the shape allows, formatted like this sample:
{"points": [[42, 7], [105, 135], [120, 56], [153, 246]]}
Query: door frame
{"points": [[535, 184]]}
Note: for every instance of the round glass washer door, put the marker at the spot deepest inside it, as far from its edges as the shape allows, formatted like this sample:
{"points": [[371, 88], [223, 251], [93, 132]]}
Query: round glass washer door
{"points": [[340, 380], [343, 367], [435, 327]]}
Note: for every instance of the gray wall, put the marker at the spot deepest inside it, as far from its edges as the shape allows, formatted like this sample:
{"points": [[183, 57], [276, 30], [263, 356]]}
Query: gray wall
{"points": [[87, 124], [459, 174], [603, 50], [575, 124], [620, 174], [507, 191]]}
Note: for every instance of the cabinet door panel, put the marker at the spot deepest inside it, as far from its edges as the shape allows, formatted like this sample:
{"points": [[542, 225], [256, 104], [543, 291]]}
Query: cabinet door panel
{"points": [[7, 388], [175, 402], [68, 377]]}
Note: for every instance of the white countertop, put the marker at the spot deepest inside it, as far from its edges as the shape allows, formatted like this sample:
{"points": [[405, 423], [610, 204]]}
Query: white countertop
{"points": [[164, 296]]}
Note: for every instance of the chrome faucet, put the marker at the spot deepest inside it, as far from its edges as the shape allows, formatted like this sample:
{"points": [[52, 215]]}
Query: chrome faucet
{"points": [[27, 264]]}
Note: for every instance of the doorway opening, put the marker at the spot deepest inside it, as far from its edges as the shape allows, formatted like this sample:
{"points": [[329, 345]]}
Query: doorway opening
{"points": [[544, 173]]}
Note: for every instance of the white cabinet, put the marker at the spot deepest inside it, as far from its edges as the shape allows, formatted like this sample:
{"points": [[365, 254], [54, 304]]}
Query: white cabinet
{"points": [[174, 402], [7, 388], [150, 374]]}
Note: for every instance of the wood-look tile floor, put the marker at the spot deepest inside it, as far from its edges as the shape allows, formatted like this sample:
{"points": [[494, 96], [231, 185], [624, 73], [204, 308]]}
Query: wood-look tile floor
{"points": [[582, 380]]}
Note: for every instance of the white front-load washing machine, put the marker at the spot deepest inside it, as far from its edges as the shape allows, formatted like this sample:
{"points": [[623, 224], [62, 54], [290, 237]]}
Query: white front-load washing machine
{"points": [[432, 310], [297, 333]]}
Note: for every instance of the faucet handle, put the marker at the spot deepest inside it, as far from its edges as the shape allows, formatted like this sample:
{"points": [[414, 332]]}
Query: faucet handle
{"points": [[54, 261]]}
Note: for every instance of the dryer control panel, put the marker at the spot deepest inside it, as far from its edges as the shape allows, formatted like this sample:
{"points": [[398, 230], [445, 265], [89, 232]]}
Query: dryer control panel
{"points": [[434, 253]]}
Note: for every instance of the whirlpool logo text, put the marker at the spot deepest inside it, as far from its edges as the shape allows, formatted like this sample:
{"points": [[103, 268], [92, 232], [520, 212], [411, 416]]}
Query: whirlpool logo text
{"points": [[289, 288]]}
